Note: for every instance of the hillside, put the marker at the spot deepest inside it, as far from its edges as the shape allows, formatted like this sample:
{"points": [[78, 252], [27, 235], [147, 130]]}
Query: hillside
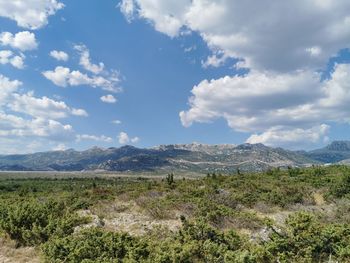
{"points": [[336, 151], [178, 157]]}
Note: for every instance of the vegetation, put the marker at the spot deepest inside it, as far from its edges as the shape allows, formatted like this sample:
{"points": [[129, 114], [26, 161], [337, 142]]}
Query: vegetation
{"points": [[292, 215]]}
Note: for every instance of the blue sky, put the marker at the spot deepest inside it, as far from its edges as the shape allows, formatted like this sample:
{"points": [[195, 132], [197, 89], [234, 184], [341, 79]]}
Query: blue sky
{"points": [[279, 87]]}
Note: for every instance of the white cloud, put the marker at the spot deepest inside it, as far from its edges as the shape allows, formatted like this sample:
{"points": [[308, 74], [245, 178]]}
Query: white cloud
{"points": [[314, 51], [52, 129], [135, 140], [59, 76], [252, 102], [32, 14], [59, 147], [64, 77], [101, 78], [275, 105], [108, 99], [42, 107], [116, 122], [7, 87], [190, 49], [85, 60], [15, 146], [269, 35], [292, 138], [166, 16], [79, 112], [127, 7], [18, 61], [101, 138], [12, 126], [123, 138], [215, 60], [59, 55], [8, 57], [22, 40], [28, 119]]}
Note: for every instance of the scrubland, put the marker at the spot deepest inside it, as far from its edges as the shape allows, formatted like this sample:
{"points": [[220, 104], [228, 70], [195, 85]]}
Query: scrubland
{"points": [[293, 215]]}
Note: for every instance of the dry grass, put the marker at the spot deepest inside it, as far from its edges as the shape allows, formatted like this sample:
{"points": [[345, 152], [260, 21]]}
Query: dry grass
{"points": [[111, 209], [134, 217], [10, 254], [318, 198]]}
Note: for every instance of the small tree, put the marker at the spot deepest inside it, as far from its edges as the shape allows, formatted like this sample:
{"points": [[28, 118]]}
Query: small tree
{"points": [[293, 172], [170, 179]]}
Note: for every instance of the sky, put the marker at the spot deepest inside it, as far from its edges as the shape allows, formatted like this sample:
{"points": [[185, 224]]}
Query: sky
{"points": [[83, 73]]}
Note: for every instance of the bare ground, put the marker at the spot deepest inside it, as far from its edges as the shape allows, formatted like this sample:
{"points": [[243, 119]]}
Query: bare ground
{"points": [[127, 217], [10, 254]]}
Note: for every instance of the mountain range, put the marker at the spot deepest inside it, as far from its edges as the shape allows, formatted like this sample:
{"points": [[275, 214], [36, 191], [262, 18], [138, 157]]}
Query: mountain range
{"points": [[193, 157]]}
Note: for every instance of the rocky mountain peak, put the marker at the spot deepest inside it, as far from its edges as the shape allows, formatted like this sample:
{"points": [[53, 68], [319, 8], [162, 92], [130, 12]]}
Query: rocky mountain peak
{"points": [[339, 146]]}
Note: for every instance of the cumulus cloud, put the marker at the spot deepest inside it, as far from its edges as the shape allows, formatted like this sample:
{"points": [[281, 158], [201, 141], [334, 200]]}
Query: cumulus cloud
{"points": [[123, 138], [8, 57], [101, 138], [15, 146], [30, 118], [281, 44], [166, 16], [127, 7], [273, 103], [7, 87], [252, 102], [42, 107], [14, 126], [85, 60], [268, 35], [59, 55], [97, 77], [108, 99], [32, 14], [135, 139], [291, 138], [23, 41], [63, 77]]}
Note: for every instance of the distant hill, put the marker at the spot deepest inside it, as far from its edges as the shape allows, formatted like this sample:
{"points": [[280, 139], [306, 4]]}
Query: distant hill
{"points": [[337, 151], [177, 157]]}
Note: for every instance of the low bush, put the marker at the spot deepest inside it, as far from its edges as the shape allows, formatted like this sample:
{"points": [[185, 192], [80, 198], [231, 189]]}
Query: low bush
{"points": [[96, 245], [305, 239], [32, 222]]}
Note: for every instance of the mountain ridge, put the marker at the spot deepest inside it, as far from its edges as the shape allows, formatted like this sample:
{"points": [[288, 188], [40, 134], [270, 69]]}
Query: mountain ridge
{"points": [[195, 157], [335, 152]]}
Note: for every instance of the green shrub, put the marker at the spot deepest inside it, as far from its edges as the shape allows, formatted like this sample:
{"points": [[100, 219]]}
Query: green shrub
{"points": [[342, 188], [293, 172], [32, 222], [95, 245], [305, 239]]}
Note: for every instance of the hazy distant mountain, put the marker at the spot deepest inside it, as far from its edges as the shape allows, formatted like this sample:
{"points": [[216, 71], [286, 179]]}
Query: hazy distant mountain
{"points": [[337, 151], [178, 157]]}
